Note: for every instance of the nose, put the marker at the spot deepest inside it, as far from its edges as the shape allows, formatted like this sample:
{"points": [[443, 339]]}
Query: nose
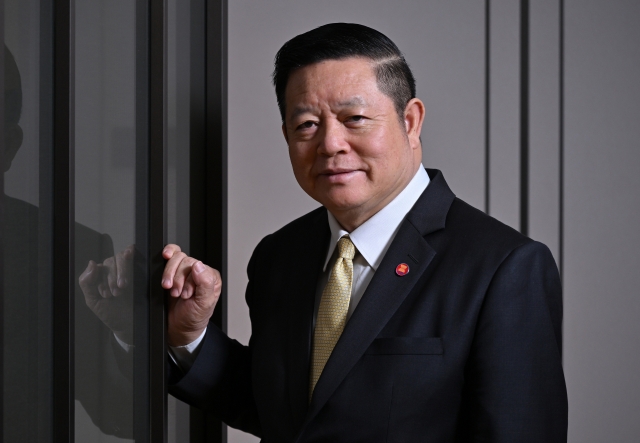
{"points": [[333, 139]]}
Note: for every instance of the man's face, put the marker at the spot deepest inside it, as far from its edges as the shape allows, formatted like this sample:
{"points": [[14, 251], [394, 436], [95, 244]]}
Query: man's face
{"points": [[349, 149]]}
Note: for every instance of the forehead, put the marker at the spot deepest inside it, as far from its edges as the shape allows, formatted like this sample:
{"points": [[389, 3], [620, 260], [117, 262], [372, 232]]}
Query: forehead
{"points": [[350, 80]]}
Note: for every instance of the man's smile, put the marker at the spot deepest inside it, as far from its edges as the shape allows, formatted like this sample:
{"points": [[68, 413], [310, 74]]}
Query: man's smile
{"points": [[339, 175]]}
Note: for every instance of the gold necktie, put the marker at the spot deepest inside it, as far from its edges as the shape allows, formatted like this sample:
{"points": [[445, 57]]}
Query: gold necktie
{"points": [[332, 313]]}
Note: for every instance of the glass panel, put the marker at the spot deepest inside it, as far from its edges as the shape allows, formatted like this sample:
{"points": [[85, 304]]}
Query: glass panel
{"points": [[105, 189], [25, 226]]}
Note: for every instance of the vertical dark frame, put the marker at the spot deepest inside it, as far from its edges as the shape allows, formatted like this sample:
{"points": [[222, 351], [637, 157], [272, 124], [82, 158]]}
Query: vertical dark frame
{"points": [[150, 391], [208, 229], [2, 147], [157, 225], [487, 104], [561, 146], [63, 219], [524, 117]]}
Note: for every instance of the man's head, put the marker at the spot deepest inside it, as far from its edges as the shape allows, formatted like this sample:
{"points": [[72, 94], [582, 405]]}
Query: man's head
{"points": [[338, 41], [354, 143]]}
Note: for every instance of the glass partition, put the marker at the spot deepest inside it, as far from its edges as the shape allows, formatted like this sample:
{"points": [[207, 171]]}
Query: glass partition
{"points": [[26, 224], [83, 212], [105, 216]]}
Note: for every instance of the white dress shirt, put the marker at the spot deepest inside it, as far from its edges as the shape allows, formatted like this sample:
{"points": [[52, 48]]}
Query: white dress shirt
{"points": [[371, 239]]}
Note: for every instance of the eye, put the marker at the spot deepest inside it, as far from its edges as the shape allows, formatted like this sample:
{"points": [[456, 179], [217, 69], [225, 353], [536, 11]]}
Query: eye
{"points": [[356, 118], [306, 125]]}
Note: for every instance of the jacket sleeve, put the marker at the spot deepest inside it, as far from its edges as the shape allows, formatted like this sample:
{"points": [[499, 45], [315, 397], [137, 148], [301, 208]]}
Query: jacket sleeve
{"points": [[514, 383], [220, 378]]}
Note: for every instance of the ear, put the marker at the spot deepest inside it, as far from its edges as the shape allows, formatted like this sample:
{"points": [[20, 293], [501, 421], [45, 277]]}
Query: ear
{"points": [[414, 114], [284, 132]]}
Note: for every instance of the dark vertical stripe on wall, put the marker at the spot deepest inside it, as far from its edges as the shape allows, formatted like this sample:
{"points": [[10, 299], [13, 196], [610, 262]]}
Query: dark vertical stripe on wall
{"points": [[208, 231], [524, 117], [487, 104], [157, 198], [63, 218], [561, 147]]}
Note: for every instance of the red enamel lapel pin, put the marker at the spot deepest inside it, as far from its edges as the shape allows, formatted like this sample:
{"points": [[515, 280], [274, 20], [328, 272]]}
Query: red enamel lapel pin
{"points": [[402, 269]]}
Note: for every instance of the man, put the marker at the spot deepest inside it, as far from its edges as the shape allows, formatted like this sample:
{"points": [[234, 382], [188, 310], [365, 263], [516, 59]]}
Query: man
{"points": [[395, 312]]}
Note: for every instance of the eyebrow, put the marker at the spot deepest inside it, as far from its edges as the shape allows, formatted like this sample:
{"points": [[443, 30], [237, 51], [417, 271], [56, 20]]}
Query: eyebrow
{"points": [[300, 110], [353, 101]]}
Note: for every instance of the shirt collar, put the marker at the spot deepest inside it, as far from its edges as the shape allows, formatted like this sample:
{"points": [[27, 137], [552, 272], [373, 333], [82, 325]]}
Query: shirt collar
{"points": [[373, 237]]}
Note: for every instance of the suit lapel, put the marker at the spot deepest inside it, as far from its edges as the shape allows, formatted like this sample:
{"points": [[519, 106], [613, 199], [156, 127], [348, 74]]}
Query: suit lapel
{"points": [[387, 290], [302, 291]]}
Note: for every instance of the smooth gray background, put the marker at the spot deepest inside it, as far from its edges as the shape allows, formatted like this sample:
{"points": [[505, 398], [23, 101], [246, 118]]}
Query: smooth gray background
{"points": [[585, 208]]}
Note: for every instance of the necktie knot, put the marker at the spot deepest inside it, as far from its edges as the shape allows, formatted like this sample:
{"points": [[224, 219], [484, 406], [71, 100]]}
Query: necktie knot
{"points": [[346, 249]]}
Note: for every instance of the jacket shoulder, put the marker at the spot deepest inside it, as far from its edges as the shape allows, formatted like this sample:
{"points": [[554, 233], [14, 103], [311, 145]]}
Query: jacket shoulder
{"points": [[478, 230]]}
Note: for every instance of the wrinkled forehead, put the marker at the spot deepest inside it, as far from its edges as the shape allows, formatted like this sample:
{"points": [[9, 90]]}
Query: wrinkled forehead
{"points": [[340, 83]]}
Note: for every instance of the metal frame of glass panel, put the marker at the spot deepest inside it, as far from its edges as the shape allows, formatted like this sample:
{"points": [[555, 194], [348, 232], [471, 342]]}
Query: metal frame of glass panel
{"points": [[208, 214]]}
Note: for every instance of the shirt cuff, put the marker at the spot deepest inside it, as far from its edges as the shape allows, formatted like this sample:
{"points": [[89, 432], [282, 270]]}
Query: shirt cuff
{"points": [[184, 356]]}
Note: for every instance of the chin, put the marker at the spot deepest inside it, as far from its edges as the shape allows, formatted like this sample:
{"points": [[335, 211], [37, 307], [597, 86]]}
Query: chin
{"points": [[341, 205]]}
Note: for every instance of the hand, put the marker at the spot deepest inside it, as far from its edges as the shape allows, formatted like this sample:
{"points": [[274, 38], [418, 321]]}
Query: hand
{"points": [[107, 289], [194, 289]]}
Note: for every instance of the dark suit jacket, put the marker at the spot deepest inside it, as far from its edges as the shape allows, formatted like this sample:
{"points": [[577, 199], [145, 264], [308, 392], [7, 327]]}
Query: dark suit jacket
{"points": [[465, 347]]}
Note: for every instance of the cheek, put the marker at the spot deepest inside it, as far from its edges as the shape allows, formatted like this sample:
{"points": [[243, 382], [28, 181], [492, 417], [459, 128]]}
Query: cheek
{"points": [[301, 161]]}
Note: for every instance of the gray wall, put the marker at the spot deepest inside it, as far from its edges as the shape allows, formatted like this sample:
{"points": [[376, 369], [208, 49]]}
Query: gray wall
{"points": [[583, 168], [602, 210]]}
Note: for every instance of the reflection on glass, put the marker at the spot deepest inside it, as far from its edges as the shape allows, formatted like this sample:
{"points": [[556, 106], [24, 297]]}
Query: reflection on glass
{"points": [[105, 218], [24, 235]]}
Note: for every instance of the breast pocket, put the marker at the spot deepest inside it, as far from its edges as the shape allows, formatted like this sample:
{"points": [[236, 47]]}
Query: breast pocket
{"points": [[406, 346]]}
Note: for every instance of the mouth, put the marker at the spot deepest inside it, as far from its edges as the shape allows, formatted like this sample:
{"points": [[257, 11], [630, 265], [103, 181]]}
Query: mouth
{"points": [[338, 175]]}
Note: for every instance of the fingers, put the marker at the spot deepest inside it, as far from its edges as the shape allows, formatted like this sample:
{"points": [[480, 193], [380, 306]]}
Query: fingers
{"points": [[110, 278], [171, 268], [89, 280], [189, 287], [181, 275], [185, 276], [124, 268], [176, 272], [169, 250]]}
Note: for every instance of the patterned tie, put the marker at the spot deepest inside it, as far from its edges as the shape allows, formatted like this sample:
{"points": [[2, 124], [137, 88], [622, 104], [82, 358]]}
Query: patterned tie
{"points": [[332, 313]]}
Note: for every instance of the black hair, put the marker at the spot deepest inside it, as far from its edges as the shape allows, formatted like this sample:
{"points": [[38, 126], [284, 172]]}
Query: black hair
{"points": [[337, 41]]}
